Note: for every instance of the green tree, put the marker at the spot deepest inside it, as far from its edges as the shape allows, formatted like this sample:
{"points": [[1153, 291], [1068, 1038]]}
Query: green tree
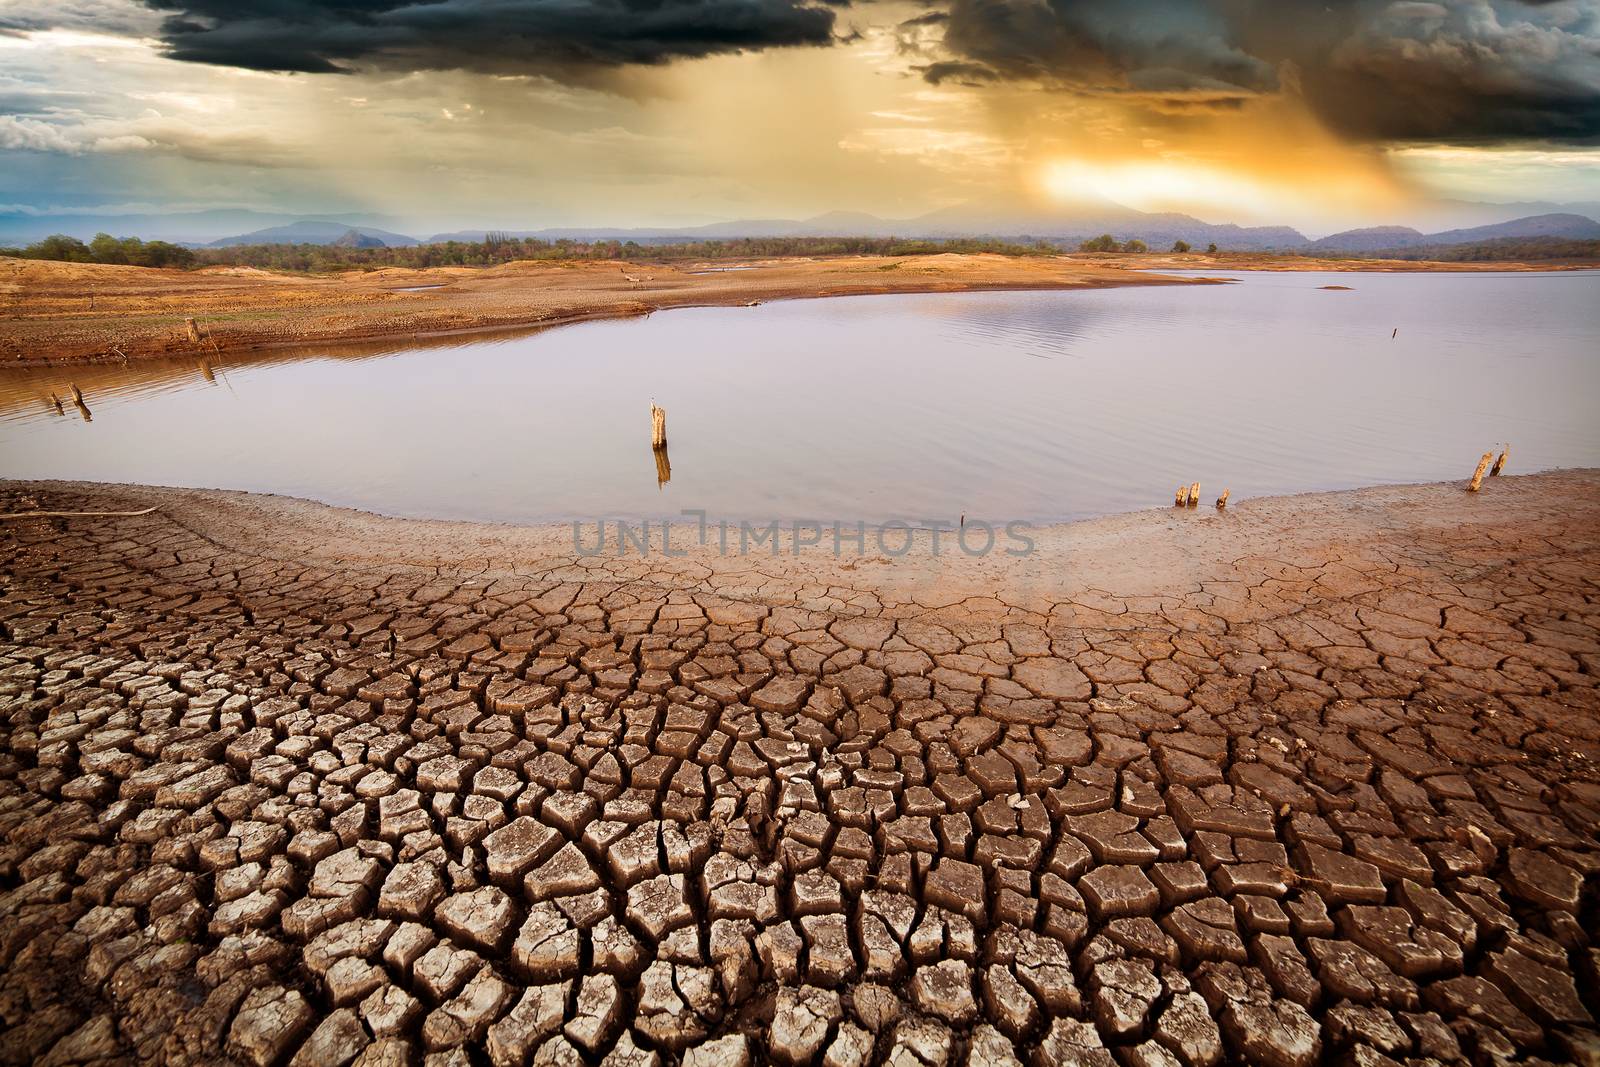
{"points": [[1135, 245], [1211, 249], [107, 249], [60, 246], [1180, 246], [1104, 243]]}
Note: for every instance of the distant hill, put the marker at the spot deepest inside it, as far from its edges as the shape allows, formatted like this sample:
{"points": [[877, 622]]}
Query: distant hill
{"points": [[356, 239], [1560, 225], [1449, 214], [311, 232], [180, 227], [1368, 239], [1064, 223]]}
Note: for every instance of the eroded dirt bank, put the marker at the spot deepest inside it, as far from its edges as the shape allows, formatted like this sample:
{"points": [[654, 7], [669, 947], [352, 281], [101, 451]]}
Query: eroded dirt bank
{"points": [[92, 312], [1313, 780]]}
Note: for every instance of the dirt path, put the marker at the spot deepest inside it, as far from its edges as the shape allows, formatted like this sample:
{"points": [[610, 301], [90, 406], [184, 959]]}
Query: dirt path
{"points": [[1312, 780]]}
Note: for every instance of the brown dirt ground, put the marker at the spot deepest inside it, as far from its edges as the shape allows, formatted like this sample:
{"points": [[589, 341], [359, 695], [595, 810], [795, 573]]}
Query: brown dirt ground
{"points": [[1312, 780], [70, 312], [66, 311]]}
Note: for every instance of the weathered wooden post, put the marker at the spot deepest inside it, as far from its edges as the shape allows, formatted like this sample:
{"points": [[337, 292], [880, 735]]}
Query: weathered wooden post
{"points": [[1194, 494], [1500, 464], [194, 330], [1477, 475], [658, 426], [1182, 496], [1222, 501]]}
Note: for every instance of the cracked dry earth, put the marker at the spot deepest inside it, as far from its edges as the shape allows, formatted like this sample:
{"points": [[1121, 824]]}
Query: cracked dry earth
{"points": [[281, 784]]}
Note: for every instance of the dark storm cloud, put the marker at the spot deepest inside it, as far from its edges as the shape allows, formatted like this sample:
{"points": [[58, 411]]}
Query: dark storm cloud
{"points": [[486, 36], [955, 70], [1379, 70]]}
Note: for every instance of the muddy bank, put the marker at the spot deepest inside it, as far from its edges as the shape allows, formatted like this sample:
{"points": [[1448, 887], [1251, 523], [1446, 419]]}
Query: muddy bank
{"points": [[70, 312], [1161, 553]]}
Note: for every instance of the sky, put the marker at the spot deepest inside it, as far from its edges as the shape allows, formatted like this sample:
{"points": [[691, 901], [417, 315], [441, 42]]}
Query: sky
{"points": [[528, 113]]}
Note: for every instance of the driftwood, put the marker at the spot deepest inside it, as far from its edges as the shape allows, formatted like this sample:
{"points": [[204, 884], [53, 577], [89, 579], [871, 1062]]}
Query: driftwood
{"points": [[1194, 494], [1182, 497], [1477, 475], [1500, 464], [1222, 501]]}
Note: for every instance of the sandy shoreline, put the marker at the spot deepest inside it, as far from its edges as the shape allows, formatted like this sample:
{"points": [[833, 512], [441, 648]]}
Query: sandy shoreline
{"points": [[55, 312], [1154, 552], [1287, 784], [59, 313]]}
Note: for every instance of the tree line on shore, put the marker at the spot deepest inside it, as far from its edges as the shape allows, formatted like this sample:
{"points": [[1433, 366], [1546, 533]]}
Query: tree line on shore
{"points": [[128, 251], [1497, 249], [496, 249]]}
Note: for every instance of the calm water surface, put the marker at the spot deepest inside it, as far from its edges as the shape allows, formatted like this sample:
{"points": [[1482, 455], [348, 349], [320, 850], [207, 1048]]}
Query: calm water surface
{"points": [[998, 405]]}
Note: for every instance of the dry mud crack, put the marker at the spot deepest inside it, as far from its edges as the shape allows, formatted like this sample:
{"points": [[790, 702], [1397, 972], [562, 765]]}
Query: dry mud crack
{"points": [[1312, 782]]}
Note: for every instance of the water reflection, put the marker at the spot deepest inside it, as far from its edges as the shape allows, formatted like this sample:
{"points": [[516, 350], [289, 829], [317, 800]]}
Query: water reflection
{"points": [[663, 466], [999, 405]]}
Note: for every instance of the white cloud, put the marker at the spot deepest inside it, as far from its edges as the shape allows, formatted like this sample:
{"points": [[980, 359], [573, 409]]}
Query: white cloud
{"points": [[31, 135]]}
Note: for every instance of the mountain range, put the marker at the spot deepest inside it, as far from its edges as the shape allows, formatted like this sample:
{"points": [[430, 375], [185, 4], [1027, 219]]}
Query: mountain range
{"points": [[195, 228], [1157, 230], [1064, 223], [1375, 238]]}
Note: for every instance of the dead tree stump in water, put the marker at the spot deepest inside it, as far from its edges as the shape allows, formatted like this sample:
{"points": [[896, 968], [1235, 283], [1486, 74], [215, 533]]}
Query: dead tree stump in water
{"points": [[1222, 501], [1500, 464], [194, 330], [1194, 494], [1477, 475], [1182, 497], [658, 427]]}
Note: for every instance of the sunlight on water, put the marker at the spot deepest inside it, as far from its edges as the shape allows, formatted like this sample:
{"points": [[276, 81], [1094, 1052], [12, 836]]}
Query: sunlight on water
{"points": [[1033, 405]]}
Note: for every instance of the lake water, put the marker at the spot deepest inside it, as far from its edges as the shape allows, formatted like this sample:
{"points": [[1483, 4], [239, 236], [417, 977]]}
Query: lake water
{"points": [[1037, 406]]}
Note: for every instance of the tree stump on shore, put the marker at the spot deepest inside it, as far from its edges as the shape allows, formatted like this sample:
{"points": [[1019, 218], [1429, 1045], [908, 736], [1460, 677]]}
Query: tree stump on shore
{"points": [[1477, 475]]}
